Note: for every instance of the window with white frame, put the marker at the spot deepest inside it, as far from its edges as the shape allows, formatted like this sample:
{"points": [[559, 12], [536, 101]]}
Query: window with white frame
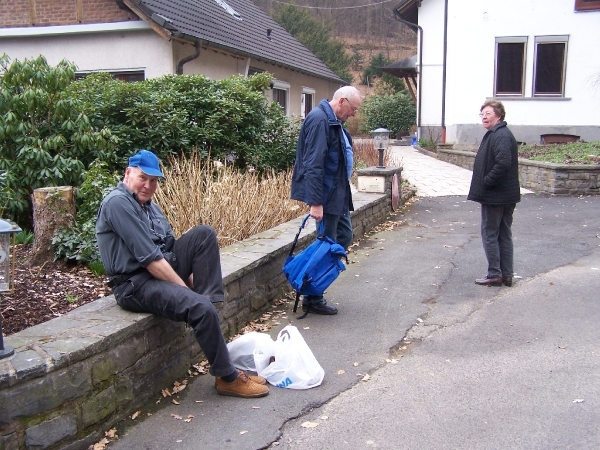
{"points": [[550, 66], [510, 65], [281, 94], [308, 101]]}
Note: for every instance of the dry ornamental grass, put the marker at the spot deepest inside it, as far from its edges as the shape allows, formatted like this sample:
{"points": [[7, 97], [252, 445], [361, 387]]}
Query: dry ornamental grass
{"points": [[236, 204]]}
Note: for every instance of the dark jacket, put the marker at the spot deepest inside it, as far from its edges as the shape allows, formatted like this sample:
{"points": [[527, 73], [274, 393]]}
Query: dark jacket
{"points": [[496, 169], [320, 174], [129, 236]]}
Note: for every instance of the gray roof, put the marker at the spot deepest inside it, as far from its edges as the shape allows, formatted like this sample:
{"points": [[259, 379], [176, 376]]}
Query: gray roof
{"points": [[211, 22]]}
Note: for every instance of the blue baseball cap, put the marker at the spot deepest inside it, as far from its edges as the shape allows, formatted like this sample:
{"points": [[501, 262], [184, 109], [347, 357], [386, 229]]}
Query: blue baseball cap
{"points": [[147, 162]]}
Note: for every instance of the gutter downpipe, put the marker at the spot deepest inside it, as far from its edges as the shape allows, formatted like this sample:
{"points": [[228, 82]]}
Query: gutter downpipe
{"points": [[419, 30], [444, 72], [187, 59]]}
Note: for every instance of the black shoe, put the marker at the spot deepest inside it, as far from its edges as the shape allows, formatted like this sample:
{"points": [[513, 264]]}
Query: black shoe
{"points": [[320, 308], [507, 281], [489, 281]]}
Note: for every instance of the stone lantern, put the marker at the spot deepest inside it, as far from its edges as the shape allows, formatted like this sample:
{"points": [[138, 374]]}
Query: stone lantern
{"points": [[8, 230], [381, 141]]}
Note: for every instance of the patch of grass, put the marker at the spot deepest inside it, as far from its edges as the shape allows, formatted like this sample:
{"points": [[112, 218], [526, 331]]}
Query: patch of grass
{"points": [[96, 268], [24, 237], [574, 153]]}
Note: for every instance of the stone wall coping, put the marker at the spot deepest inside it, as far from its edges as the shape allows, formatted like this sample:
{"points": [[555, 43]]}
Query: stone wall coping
{"points": [[530, 162]]}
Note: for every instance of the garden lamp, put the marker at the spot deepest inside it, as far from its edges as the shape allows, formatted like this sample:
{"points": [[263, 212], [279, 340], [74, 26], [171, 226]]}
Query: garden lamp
{"points": [[8, 230], [381, 141]]}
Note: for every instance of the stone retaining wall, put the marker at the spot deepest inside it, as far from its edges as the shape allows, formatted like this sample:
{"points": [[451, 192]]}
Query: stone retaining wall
{"points": [[558, 179], [79, 374]]}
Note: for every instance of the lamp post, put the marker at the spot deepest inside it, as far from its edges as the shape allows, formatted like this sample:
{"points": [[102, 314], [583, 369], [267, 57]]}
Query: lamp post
{"points": [[381, 141], [8, 229]]}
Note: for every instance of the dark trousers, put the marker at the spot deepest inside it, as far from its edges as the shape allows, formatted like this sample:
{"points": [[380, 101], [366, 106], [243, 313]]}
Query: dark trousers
{"points": [[338, 228], [496, 235], [197, 253]]}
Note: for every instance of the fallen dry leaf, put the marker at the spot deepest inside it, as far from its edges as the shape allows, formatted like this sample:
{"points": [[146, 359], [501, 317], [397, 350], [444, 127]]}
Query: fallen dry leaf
{"points": [[367, 377], [111, 434], [166, 393], [199, 401], [135, 415], [175, 402], [175, 416], [310, 424], [355, 364], [187, 420], [341, 372]]}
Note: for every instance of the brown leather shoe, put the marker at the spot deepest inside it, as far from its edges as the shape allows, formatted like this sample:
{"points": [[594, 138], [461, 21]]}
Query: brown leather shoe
{"points": [[487, 281], [507, 281], [242, 386], [257, 379]]}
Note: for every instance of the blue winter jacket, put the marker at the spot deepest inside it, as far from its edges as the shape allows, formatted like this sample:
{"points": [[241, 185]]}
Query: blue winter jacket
{"points": [[320, 174]]}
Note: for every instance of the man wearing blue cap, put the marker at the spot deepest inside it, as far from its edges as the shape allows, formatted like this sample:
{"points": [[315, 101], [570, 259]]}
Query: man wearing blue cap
{"points": [[179, 279]]}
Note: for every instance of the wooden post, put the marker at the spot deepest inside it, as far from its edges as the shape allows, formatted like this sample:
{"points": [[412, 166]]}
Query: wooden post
{"points": [[53, 207]]}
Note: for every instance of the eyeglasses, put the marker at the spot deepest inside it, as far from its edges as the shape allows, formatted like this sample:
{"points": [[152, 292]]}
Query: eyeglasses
{"points": [[486, 114], [348, 101]]}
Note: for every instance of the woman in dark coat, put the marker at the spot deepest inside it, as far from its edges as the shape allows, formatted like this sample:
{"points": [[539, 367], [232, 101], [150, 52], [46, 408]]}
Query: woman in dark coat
{"points": [[495, 184]]}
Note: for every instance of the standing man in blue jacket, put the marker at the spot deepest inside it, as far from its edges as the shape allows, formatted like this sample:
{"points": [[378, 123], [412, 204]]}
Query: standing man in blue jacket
{"points": [[322, 173]]}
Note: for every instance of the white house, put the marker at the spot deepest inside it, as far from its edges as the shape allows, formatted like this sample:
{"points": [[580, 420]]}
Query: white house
{"points": [[541, 58], [139, 39]]}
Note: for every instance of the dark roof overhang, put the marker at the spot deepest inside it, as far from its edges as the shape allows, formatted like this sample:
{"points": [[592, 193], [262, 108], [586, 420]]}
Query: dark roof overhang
{"points": [[408, 10], [404, 68]]}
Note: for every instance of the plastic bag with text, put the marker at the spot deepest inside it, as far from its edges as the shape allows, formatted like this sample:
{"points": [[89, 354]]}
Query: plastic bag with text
{"points": [[241, 350], [295, 366]]}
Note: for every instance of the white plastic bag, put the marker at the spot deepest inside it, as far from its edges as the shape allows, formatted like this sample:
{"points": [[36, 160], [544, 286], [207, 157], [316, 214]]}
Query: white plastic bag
{"points": [[241, 350], [295, 366]]}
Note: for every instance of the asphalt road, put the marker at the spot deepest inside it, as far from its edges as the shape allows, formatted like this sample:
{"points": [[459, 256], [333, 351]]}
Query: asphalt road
{"points": [[450, 364]]}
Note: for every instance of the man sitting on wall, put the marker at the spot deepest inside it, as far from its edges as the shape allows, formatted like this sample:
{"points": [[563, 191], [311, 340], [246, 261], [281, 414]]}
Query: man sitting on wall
{"points": [[179, 279]]}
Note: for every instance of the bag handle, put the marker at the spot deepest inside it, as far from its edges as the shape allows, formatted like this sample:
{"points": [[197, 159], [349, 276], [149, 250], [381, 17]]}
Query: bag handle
{"points": [[298, 234]]}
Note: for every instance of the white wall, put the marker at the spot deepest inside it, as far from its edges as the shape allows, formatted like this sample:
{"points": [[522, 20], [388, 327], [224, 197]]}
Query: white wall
{"points": [[143, 50], [218, 64], [472, 29]]}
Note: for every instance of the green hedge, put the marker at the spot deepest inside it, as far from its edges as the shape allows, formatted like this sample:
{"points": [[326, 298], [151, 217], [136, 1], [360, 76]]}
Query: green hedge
{"points": [[395, 112], [52, 127]]}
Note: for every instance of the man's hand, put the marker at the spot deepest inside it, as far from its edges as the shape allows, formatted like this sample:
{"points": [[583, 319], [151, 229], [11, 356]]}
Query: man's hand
{"points": [[162, 270], [316, 212]]}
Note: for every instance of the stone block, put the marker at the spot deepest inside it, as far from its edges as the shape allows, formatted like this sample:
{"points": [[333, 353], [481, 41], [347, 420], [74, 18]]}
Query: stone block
{"points": [[258, 299], [85, 443], [98, 406], [116, 360], [123, 391], [9, 442], [579, 175], [28, 364], [44, 394], [50, 432]]}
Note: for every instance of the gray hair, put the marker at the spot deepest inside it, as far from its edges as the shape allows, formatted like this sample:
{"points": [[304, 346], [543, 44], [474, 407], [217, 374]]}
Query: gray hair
{"points": [[345, 92]]}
